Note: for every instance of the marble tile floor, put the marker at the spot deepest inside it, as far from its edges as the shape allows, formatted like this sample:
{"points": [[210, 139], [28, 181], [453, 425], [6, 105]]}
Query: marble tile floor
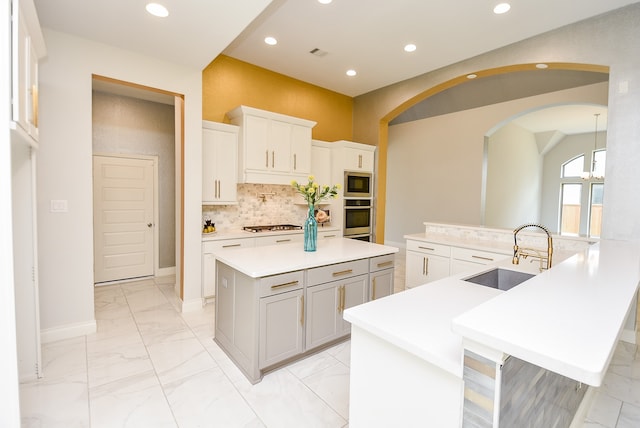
{"points": [[149, 365]]}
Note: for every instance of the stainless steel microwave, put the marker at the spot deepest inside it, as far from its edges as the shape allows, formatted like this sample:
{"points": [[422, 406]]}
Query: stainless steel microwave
{"points": [[358, 184]]}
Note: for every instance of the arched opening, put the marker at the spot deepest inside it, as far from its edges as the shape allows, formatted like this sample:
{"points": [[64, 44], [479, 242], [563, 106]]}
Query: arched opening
{"points": [[383, 130]]}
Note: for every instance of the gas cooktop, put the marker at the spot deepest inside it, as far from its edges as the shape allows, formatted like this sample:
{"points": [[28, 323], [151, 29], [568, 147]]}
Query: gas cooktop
{"points": [[272, 228]]}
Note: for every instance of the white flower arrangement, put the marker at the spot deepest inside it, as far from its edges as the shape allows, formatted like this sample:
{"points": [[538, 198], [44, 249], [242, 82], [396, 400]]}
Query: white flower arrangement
{"points": [[313, 193]]}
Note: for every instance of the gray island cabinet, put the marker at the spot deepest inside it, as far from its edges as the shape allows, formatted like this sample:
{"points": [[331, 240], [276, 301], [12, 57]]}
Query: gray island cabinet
{"points": [[276, 304]]}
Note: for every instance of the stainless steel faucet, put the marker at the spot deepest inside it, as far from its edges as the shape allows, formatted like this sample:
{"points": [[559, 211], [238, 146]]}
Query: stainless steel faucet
{"points": [[519, 252]]}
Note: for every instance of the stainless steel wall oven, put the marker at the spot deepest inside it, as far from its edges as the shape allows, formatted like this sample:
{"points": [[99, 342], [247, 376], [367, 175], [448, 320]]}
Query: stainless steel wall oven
{"points": [[357, 219]]}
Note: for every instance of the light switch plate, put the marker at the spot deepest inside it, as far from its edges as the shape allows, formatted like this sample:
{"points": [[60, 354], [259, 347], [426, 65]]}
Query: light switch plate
{"points": [[59, 206]]}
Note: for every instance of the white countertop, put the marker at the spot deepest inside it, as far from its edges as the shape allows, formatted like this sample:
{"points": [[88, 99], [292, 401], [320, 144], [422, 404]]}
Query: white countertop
{"points": [[419, 320], [257, 262], [567, 319]]}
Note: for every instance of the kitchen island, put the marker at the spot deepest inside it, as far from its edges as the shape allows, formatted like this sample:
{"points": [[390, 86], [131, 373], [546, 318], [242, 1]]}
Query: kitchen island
{"points": [[448, 347], [278, 303]]}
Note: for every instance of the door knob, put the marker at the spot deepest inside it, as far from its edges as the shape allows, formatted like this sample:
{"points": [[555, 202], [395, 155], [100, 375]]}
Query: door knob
{"points": [[149, 224]]}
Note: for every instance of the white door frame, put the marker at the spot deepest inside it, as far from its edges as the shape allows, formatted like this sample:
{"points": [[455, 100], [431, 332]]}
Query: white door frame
{"points": [[156, 215]]}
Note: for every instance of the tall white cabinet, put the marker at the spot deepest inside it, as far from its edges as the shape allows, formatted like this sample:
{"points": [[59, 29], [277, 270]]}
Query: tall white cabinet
{"points": [[219, 163], [27, 47]]}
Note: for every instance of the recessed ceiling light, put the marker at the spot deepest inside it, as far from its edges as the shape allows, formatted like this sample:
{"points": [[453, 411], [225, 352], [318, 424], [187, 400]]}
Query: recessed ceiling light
{"points": [[325, 1], [542, 66], [156, 9], [410, 47], [471, 76], [351, 73], [270, 41], [501, 8]]}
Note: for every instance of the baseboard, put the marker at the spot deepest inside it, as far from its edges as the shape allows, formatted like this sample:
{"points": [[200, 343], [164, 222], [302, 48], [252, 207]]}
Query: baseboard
{"points": [[628, 336], [192, 305], [396, 244], [166, 271], [67, 331]]}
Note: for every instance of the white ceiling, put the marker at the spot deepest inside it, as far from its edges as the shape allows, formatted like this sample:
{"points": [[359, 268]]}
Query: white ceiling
{"points": [[193, 34], [367, 35], [568, 119]]}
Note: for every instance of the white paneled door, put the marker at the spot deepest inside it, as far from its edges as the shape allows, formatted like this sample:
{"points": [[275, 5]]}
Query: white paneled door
{"points": [[122, 218]]}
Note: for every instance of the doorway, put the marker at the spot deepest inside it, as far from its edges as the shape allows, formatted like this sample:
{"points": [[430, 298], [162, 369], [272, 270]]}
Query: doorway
{"points": [[134, 121]]}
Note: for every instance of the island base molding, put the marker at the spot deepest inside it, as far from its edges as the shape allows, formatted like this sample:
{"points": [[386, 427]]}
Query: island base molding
{"points": [[255, 375], [507, 391]]}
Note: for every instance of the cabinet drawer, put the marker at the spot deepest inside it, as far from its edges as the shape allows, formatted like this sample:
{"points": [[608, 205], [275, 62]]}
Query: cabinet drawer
{"points": [[224, 244], [476, 256], [336, 272], [429, 248], [328, 234], [382, 262], [279, 239], [277, 284]]}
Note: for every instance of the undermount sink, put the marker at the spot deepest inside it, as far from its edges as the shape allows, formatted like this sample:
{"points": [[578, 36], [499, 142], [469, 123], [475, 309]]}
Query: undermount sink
{"points": [[502, 279]]}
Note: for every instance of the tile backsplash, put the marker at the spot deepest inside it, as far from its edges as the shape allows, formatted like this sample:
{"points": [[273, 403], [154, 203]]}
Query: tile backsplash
{"points": [[277, 207]]}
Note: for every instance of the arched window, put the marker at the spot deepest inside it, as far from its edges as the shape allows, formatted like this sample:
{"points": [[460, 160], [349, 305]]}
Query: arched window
{"points": [[581, 194]]}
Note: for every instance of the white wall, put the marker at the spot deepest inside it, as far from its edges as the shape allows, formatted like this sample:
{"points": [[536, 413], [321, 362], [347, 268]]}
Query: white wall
{"points": [[64, 171], [514, 178], [435, 164]]}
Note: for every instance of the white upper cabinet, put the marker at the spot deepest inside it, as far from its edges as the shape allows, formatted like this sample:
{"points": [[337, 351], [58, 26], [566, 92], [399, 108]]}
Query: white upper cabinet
{"points": [[27, 47], [219, 163], [301, 149], [354, 156], [273, 148]]}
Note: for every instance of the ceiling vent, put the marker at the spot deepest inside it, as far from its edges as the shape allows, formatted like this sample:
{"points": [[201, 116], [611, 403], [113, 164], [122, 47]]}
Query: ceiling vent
{"points": [[317, 52]]}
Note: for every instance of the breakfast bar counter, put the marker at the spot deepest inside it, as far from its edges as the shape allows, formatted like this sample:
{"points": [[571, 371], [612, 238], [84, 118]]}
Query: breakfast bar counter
{"points": [[446, 345]]}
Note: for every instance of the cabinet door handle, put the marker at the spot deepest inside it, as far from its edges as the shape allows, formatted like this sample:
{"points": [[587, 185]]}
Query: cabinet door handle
{"points": [[341, 298], [295, 162], [273, 159], [329, 236], [383, 264], [302, 310], [373, 291], [219, 196], [426, 248], [342, 272], [266, 158], [359, 161], [286, 284], [489, 259], [279, 241], [231, 245], [425, 266]]}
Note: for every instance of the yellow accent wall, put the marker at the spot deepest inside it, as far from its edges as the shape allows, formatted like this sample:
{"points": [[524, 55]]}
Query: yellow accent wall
{"points": [[228, 83]]}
